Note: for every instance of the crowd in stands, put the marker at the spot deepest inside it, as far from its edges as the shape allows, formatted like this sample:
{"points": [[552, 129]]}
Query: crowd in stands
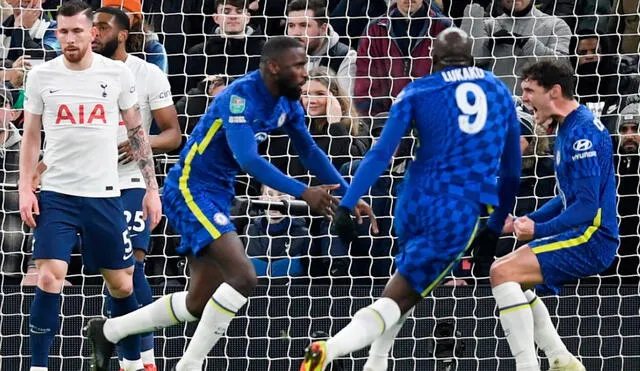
{"points": [[362, 53]]}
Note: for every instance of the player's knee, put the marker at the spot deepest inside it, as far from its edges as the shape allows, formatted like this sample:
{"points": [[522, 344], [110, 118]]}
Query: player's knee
{"points": [[49, 281], [499, 273], [244, 281], [121, 285]]}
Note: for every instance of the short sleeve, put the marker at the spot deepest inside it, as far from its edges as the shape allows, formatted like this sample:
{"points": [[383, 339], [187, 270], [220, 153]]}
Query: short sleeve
{"points": [[582, 152], [128, 96], [33, 102], [159, 89]]}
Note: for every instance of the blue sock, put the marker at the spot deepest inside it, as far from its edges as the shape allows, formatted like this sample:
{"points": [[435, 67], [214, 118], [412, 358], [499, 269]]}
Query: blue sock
{"points": [[145, 297], [129, 346], [43, 325]]}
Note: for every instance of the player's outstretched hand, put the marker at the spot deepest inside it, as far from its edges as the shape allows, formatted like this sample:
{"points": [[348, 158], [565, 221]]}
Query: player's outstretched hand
{"points": [[28, 207], [344, 226], [152, 208], [125, 153], [483, 247], [320, 199], [363, 208], [524, 228]]}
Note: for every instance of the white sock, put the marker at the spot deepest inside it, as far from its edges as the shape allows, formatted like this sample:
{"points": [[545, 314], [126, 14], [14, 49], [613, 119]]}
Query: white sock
{"points": [[217, 315], [366, 326], [33, 368], [132, 365], [517, 322], [378, 359], [164, 312], [545, 333], [148, 357]]}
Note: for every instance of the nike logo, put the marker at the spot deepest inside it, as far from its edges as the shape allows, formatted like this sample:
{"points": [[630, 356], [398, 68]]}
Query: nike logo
{"points": [[127, 256], [51, 91]]}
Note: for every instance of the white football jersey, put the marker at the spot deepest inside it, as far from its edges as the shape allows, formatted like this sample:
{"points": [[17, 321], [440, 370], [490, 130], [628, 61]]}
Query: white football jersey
{"points": [[80, 116], [154, 93]]}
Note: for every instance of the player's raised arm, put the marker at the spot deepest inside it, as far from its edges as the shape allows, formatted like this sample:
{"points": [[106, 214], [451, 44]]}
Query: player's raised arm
{"points": [[510, 169], [140, 146], [311, 156], [240, 139], [30, 149], [379, 156], [585, 175]]}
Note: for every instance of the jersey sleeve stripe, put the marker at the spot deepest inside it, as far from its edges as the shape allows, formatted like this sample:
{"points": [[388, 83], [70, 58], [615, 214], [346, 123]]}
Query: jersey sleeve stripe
{"points": [[585, 237], [446, 271], [198, 149]]}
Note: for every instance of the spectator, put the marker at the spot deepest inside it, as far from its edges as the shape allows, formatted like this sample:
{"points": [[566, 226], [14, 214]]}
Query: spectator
{"points": [[592, 15], [233, 49], [28, 31], [333, 123], [350, 18], [394, 50], [627, 165], [520, 36], [276, 243], [142, 41], [601, 84], [11, 233], [192, 106], [307, 21], [628, 27]]}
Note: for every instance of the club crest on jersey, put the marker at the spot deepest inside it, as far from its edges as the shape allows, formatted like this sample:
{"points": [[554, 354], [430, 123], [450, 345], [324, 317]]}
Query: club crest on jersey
{"points": [[104, 89], [237, 104], [220, 219], [260, 137], [282, 119]]}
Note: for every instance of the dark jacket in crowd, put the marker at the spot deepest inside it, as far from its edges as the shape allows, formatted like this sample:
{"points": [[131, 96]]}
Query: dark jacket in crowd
{"points": [[224, 55]]}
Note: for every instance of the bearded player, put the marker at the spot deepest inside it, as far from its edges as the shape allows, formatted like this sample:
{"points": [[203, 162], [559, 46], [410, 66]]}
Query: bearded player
{"points": [[78, 99], [154, 97]]}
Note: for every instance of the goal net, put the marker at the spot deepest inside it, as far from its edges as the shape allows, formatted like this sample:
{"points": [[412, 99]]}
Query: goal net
{"points": [[309, 283]]}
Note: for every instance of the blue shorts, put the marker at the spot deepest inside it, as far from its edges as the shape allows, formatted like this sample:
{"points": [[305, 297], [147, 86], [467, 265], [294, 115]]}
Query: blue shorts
{"points": [[199, 217], [433, 232], [139, 232], [572, 255], [99, 222]]}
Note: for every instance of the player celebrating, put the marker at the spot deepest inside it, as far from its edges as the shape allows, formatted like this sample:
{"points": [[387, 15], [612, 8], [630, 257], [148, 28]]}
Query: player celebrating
{"points": [[576, 233], [78, 99], [198, 195], [463, 139], [154, 98]]}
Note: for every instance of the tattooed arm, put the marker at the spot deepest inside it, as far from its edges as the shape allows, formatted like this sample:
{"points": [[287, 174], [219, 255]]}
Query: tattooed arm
{"points": [[140, 146], [142, 154]]}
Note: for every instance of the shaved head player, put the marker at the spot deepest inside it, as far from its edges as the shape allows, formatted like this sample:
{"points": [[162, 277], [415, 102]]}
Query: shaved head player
{"points": [[199, 190], [465, 144]]}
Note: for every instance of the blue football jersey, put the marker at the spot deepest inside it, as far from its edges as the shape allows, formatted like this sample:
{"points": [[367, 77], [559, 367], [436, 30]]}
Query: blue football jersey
{"points": [[583, 149], [207, 161], [462, 117]]}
